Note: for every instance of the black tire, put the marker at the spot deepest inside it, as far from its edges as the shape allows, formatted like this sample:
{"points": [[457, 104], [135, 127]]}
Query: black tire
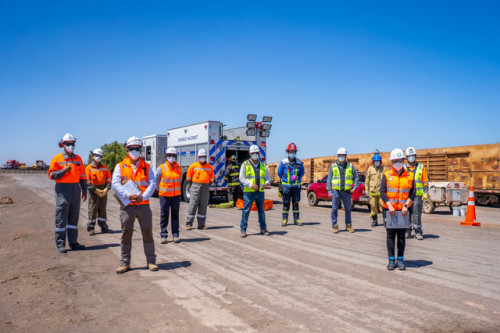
{"points": [[185, 191], [312, 199], [428, 206]]}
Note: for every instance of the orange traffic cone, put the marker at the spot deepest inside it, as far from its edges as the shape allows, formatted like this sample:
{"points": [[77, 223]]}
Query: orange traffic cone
{"points": [[470, 217]]}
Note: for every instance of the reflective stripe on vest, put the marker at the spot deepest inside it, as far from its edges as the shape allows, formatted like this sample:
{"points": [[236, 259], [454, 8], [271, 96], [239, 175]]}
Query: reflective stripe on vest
{"points": [[288, 178], [348, 181], [140, 177], [419, 184], [170, 182], [250, 175], [398, 188]]}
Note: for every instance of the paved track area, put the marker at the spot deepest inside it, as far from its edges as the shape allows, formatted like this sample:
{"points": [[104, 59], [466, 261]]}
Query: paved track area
{"points": [[299, 279]]}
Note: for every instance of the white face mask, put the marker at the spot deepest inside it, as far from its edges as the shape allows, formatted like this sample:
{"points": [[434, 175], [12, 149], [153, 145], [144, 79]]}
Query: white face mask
{"points": [[69, 149], [377, 163], [203, 159], [411, 158], [291, 155], [134, 154], [341, 159], [171, 159], [397, 166], [255, 157], [97, 159]]}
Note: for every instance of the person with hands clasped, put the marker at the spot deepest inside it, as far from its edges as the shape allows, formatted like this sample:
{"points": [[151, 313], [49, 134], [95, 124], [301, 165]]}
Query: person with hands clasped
{"points": [[397, 191]]}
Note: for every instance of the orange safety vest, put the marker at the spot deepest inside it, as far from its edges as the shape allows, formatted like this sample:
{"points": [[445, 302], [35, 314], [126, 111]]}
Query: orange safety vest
{"points": [[398, 188], [74, 175], [98, 175], [140, 177], [198, 173], [170, 182]]}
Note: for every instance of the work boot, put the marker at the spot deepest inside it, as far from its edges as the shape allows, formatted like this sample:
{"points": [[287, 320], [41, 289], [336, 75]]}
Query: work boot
{"points": [[122, 269], [92, 232], [243, 234], [164, 240], [202, 227], [152, 267], [419, 236], [297, 222], [77, 246], [177, 239], [106, 231], [264, 232], [374, 221], [285, 223], [401, 264], [335, 229], [408, 234], [189, 226], [392, 265], [62, 250], [349, 228]]}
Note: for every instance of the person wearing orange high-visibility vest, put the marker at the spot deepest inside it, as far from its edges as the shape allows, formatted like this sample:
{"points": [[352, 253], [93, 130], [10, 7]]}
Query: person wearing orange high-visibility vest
{"points": [[168, 182], [397, 190], [99, 182], [134, 168], [68, 171], [200, 174]]}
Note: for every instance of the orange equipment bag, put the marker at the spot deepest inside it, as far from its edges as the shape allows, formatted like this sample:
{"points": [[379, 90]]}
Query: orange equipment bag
{"points": [[268, 204]]}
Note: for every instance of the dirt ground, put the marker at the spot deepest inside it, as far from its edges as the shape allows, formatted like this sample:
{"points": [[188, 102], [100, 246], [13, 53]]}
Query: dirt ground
{"points": [[300, 279]]}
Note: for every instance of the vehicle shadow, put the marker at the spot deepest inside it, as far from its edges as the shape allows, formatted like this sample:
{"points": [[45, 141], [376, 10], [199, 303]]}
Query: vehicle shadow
{"points": [[430, 236], [220, 227], [100, 247], [417, 263], [193, 240]]}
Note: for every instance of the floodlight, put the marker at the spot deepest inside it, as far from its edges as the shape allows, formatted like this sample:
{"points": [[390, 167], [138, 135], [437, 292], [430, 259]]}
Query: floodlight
{"points": [[250, 124], [266, 127], [265, 134], [251, 132], [251, 117], [267, 119]]}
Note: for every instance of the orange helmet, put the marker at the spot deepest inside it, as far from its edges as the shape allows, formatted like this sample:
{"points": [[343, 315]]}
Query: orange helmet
{"points": [[291, 146]]}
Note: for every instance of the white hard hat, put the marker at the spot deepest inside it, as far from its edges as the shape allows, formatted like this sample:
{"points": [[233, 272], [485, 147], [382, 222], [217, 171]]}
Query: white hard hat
{"points": [[134, 141], [411, 151], [397, 154], [171, 150], [68, 137], [97, 151], [202, 152], [341, 151], [254, 149]]}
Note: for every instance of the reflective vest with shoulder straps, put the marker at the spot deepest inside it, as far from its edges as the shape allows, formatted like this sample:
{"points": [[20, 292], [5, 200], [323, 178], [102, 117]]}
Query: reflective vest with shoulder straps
{"points": [[170, 182], [250, 175], [348, 182], [398, 188], [140, 178], [286, 162], [419, 184]]}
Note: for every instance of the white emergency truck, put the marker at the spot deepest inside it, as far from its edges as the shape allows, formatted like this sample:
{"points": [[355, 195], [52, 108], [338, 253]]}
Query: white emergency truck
{"points": [[219, 143]]}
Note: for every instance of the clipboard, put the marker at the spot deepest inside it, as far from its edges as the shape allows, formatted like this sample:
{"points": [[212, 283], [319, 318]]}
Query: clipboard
{"points": [[398, 221], [131, 188]]}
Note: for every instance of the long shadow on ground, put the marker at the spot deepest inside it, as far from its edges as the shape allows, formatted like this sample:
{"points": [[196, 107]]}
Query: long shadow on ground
{"points": [[192, 240], [220, 227], [430, 236], [417, 263], [100, 247]]}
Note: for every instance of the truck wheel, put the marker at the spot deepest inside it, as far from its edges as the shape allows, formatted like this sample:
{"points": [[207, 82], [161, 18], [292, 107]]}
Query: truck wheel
{"points": [[312, 199], [428, 206], [185, 192]]}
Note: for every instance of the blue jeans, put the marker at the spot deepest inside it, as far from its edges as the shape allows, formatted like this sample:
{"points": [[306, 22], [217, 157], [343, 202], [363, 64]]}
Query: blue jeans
{"points": [[345, 196], [248, 199]]}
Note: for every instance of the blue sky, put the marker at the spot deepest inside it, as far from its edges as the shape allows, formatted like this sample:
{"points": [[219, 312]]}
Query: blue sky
{"points": [[362, 75]]}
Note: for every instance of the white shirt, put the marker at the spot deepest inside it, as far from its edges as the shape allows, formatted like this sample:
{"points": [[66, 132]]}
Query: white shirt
{"points": [[246, 182], [118, 187]]}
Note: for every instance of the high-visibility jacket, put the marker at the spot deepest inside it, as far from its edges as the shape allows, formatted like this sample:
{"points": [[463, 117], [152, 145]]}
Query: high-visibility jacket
{"points": [[287, 169], [198, 173], [398, 188], [421, 178], [336, 181], [233, 175], [170, 181], [373, 179], [98, 174], [74, 175], [140, 177], [250, 175]]}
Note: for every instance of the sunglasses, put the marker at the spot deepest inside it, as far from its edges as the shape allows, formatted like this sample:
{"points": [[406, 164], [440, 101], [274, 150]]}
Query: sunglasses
{"points": [[401, 160], [69, 144], [134, 148], [97, 155], [171, 155]]}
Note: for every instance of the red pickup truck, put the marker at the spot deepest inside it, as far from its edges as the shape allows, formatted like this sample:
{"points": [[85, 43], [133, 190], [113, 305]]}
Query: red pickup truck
{"points": [[317, 192]]}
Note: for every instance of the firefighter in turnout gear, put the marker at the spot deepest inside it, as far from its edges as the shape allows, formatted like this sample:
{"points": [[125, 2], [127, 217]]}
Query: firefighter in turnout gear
{"points": [[291, 171], [421, 192], [99, 183], [68, 171], [232, 176], [372, 186]]}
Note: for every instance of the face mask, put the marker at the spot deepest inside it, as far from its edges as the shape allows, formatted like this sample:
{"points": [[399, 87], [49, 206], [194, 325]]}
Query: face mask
{"points": [[397, 166], [341, 159], [202, 159], [255, 157], [134, 154], [291, 155], [411, 159], [171, 159], [377, 163], [69, 149], [97, 159]]}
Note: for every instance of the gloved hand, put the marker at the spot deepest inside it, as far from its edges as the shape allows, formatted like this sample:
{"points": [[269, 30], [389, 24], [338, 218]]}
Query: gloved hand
{"points": [[425, 196]]}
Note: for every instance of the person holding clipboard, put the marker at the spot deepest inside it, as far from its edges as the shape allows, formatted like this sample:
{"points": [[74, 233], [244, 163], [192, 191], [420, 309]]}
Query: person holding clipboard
{"points": [[397, 191], [134, 183]]}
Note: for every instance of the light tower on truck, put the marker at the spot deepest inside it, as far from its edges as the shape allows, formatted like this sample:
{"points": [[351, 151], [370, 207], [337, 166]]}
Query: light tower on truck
{"points": [[259, 129]]}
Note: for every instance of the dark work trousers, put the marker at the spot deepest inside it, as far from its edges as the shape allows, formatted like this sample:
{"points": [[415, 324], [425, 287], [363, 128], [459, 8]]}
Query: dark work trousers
{"points": [[234, 193], [391, 239], [169, 205], [291, 193], [68, 196], [97, 210], [145, 218]]}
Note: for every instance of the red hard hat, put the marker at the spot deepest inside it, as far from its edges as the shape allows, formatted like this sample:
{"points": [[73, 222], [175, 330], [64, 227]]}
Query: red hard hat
{"points": [[291, 146]]}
